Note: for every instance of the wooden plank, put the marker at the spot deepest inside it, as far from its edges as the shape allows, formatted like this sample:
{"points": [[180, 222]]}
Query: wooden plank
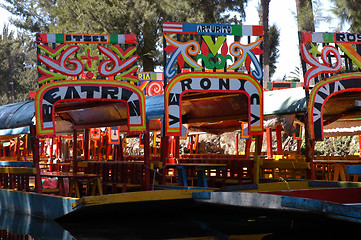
{"points": [[18, 170], [135, 197], [286, 165]]}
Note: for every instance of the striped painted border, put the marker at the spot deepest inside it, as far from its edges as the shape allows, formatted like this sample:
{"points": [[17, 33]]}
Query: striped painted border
{"points": [[86, 38], [326, 37], [212, 29]]}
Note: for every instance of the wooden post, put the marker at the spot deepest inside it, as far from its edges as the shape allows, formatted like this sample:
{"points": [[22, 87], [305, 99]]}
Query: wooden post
{"points": [[51, 140], [257, 159], [236, 139], [42, 146], [120, 150], [75, 150], [196, 144], [25, 153], [147, 157], [269, 143], [155, 144], [36, 158], [18, 148], [177, 146], [247, 149], [164, 156], [59, 147], [299, 142], [109, 150], [279, 139], [310, 151], [99, 148], [86, 144], [190, 143], [171, 147]]}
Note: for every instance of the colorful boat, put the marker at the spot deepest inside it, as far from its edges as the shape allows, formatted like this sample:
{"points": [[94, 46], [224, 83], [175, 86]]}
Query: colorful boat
{"points": [[219, 91]]}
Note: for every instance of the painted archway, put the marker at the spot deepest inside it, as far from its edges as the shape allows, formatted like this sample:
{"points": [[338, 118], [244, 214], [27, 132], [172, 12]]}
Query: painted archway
{"points": [[322, 92], [88, 90], [213, 82]]}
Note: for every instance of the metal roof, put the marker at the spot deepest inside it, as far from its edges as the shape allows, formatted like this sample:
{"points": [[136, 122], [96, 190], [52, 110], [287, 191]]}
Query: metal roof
{"points": [[17, 115], [285, 101], [154, 106]]}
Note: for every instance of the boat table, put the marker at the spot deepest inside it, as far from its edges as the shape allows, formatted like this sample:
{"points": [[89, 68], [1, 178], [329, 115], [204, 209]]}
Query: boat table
{"points": [[339, 167], [293, 165], [74, 181], [199, 167]]}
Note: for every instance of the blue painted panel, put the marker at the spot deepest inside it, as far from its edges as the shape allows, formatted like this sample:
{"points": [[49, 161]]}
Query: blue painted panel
{"points": [[39, 205], [303, 203], [353, 169], [326, 184], [17, 163], [201, 195], [350, 211], [233, 188]]}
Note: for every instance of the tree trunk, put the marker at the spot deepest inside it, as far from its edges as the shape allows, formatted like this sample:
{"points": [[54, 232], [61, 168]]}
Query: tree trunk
{"points": [[305, 19], [306, 23], [263, 18]]}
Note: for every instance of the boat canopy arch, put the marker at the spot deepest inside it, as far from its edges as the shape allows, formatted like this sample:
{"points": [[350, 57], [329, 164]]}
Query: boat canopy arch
{"points": [[333, 99], [217, 83], [103, 91]]}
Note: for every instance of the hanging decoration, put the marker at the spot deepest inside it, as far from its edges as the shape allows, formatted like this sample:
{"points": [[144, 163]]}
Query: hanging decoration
{"points": [[95, 133], [114, 135]]}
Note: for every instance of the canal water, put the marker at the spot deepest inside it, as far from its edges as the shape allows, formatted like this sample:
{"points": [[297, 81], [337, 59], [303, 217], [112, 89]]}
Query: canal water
{"points": [[202, 224]]}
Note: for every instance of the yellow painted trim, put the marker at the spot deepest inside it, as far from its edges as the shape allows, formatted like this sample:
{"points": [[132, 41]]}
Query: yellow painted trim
{"points": [[136, 197], [18, 170]]}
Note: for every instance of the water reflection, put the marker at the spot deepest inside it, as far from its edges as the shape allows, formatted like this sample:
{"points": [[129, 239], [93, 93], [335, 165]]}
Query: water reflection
{"points": [[18, 226], [205, 222], [200, 223]]}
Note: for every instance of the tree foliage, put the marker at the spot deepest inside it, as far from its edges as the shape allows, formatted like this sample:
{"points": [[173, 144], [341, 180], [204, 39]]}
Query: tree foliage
{"points": [[305, 18], [141, 17], [17, 68], [274, 36], [349, 11]]}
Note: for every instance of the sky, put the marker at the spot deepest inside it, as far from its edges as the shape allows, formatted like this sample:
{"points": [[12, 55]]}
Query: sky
{"points": [[282, 13]]}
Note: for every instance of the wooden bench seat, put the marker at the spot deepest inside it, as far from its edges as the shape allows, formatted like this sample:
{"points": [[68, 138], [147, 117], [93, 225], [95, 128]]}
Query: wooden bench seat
{"points": [[287, 168], [16, 177]]}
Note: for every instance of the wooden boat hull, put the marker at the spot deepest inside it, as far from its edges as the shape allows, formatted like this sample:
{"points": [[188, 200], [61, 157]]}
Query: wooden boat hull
{"points": [[342, 203], [330, 199]]}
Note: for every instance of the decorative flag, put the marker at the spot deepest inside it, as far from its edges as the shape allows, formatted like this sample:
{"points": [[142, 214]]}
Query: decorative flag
{"points": [[244, 130], [114, 136], [95, 133]]}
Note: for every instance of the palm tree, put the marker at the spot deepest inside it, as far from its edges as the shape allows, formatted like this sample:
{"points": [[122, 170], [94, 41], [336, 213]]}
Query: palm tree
{"points": [[305, 17]]}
